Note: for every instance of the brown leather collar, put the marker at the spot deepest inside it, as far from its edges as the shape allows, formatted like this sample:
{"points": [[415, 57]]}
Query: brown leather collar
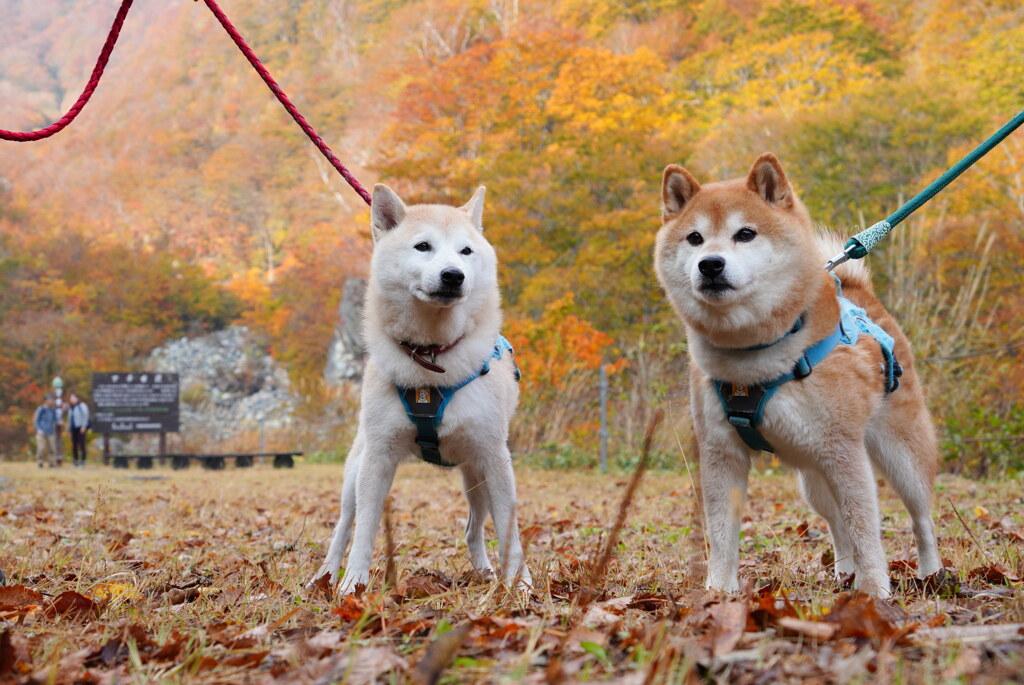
{"points": [[426, 355]]}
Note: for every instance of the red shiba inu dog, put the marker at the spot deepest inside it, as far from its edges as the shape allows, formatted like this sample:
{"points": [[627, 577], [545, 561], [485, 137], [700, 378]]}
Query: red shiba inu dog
{"points": [[789, 358]]}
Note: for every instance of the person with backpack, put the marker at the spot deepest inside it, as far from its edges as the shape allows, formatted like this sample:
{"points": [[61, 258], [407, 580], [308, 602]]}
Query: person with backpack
{"points": [[45, 422], [78, 427]]}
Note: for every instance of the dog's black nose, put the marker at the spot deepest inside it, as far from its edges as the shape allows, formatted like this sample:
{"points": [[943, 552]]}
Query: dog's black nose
{"points": [[711, 266], [452, 278]]}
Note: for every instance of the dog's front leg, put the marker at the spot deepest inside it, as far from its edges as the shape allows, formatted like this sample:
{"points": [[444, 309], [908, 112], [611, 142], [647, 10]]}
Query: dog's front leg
{"points": [[376, 473], [724, 467], [347, 515], [479, 507], [500, 480]]}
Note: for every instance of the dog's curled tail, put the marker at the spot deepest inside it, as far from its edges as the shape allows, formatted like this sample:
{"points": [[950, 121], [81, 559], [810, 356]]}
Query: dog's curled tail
{"points": [[852, 273]]}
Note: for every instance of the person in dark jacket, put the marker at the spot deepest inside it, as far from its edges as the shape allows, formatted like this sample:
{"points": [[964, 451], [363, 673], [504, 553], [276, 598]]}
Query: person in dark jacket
{"points": [[45, 422], [78, 427]]}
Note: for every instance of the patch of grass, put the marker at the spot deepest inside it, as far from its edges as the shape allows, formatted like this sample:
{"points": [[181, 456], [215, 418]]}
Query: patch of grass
{"points": [[212, 555]]}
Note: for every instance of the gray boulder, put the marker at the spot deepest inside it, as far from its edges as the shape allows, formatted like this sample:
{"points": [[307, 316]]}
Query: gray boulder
{"points": [[229, 383], [346, 353]]}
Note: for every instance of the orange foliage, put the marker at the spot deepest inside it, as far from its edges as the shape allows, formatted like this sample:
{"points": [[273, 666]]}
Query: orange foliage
{"points": [[184, 198], [557, 347]]}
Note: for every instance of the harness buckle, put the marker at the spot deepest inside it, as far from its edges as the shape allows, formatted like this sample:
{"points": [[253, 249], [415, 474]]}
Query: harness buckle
{"points": [[803, 368], [741, 419], [428, 442]]}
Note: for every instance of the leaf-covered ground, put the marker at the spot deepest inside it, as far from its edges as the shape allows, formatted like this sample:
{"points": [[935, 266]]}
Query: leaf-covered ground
{"points": [[197, 576]]}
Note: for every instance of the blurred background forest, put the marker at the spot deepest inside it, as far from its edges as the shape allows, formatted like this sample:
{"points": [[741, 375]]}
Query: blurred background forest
{"points": [[184, 200]]}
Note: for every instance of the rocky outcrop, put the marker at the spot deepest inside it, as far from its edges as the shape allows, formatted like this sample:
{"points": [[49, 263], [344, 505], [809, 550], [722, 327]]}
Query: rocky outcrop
{"points": [[345, 356], [228, 384]]}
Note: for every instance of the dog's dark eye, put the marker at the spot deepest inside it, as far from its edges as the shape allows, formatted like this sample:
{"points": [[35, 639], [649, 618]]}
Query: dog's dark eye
{"points": [[745, 235], [422, 247], [466, 251], [694, 239]]}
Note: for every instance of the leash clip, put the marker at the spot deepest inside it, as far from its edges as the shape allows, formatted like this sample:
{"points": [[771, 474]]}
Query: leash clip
{"points": [[836, 261]]}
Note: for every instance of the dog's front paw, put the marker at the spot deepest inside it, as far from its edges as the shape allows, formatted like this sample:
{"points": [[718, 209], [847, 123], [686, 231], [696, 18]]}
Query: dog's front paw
{"points": [[876, 586], [520, 581], [730, 585], [351, 582]]}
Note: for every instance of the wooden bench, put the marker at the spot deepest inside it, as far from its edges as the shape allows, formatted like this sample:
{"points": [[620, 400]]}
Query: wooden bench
{"points": [[214, 462], [142, 461]]}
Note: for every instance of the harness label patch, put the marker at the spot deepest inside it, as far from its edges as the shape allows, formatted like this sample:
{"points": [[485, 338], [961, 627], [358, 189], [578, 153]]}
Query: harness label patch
{"points": [[422, 395], [740, 391]]}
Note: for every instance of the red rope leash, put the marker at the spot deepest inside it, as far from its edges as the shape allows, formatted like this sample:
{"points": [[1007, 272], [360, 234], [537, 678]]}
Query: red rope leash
{"points": [[90, 87], [108, 48], [285, 102]]}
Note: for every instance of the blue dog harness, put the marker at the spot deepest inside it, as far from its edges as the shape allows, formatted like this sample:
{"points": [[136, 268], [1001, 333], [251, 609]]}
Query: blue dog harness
{"points": [[744, 405], [425, 406]]}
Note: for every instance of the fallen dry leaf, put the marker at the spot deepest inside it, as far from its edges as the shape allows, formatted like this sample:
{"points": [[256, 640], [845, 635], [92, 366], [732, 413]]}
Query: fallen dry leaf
{"points": [[423, 584], [323, 587], [858, 615], [8, 658], [766, 609], [71, 605], [176, 595], [119, 541], [598, 617], [248, 660], [361, 666], [67, 670], [649, 601], [439, 655], [973, 633], [996, 574], [17, 596], [816, 630], [728, 621], [229, 634], [112, 591], [351, 608], [942, 583]]}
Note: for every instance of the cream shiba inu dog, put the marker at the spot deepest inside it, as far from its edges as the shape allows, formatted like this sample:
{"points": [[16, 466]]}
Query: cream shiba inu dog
{"points": [[440, 381], [786, 357]]}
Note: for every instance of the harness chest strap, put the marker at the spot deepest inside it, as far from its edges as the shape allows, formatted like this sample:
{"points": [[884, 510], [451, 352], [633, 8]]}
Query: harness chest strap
{"points": [[744, 405], [425, 406]]}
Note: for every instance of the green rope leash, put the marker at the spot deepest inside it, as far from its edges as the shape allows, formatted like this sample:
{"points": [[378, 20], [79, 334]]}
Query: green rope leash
{"points": [[859, 245]]}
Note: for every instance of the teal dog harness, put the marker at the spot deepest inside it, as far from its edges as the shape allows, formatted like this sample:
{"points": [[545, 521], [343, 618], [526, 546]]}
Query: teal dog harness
{"points": [[425, 406], [744, 405]]}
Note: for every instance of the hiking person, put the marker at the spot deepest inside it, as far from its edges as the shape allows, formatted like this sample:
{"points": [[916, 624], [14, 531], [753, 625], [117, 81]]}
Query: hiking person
{"points": [[45, 421], [78, 427]]}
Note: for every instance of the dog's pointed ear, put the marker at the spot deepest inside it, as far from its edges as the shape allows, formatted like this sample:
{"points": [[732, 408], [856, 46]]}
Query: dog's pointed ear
{"points": [[386, 211], [768, 180], [678, 186], [475, 207]]}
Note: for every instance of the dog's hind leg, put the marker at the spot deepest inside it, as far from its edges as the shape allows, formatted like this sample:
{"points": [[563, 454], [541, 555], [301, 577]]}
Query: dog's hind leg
{"points": [[343, 529], [906, 454], [500, 480], [847, 471], [817, 493], [479, 508]]}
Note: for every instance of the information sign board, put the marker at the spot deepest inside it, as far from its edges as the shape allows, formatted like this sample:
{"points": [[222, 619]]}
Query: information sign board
{"points": [[138, 402]]}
